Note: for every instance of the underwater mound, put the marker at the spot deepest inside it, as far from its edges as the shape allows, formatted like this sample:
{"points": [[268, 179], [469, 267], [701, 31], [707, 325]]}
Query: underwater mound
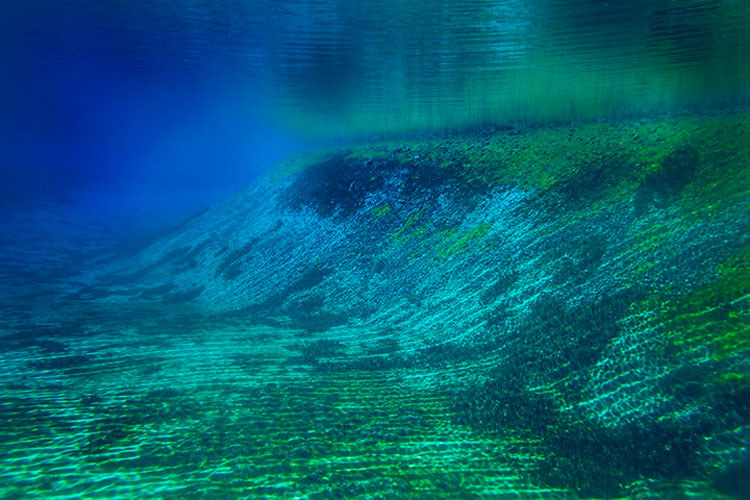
{"points": [[541, 312]]}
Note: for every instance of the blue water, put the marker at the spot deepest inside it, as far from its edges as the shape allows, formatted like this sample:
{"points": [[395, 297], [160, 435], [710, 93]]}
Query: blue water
{"points": [[199, 97], [128, 102], [392, 249]]}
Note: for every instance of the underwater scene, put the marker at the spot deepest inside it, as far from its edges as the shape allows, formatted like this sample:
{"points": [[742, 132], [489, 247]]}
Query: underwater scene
{"points": [[347, 249]]}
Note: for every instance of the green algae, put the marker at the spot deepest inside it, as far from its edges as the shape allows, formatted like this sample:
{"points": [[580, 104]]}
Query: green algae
{"points": [[381, 210], [740, 379], [592, 460], [690, 163], [409, 228], [715, 315], [330, 407], [463, 242]]}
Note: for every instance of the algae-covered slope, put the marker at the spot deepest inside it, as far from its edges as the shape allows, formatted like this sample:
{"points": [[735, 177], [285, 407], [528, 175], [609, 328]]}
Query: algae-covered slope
{"points": [[578, 295]]}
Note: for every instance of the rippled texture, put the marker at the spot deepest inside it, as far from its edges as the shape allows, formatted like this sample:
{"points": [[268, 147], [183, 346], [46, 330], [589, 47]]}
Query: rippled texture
{"points": [[553, 303], [408, 65], [543, 313], [334, 67]]}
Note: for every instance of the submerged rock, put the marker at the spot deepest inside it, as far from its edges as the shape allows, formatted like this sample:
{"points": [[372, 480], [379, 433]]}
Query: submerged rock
{"points": [[554, 287]]}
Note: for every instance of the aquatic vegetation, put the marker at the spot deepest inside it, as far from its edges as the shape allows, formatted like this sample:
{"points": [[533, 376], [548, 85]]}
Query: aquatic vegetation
{"points": [[337, 184], [381, 210], [593, 461], [517, 267], [407, 229], [734, 378], [716, 315], [561, 311], [464, 241]]}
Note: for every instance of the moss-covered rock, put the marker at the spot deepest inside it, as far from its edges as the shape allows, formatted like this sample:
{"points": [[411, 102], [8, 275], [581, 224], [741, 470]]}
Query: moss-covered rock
{"points": [[564, 308]]}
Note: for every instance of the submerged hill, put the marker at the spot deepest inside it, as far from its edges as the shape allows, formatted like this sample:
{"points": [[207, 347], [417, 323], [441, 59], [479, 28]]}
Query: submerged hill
{"points": [[547, 312]]}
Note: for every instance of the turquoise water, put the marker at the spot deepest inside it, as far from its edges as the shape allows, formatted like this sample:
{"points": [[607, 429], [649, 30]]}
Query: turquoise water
{"points": [[332, 250]]}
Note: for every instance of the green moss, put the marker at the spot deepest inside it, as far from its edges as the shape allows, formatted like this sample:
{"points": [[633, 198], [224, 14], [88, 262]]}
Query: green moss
{"points": [[723, 177], [648, 246], [715, 315], [609, 162], [735, 378], [404, 231], [592, 460], [464, 241], [381, 210]]}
